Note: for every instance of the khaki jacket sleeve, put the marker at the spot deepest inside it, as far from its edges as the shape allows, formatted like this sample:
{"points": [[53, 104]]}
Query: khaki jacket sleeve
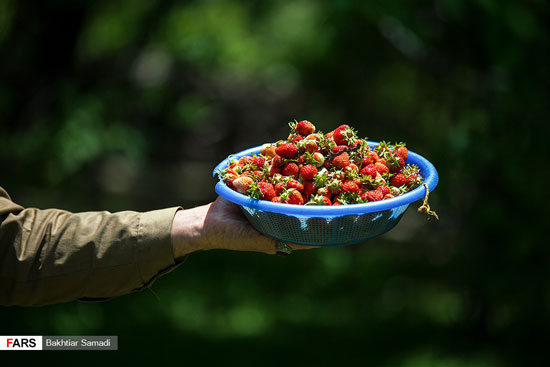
{"points": [[50, 256]]}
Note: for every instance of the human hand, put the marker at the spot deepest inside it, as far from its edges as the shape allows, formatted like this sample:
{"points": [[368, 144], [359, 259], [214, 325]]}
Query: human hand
{"points": [[218, 225]]}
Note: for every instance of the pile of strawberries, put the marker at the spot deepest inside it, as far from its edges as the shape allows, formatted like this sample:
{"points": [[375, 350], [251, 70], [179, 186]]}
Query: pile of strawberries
{"points": [[312, 168]]}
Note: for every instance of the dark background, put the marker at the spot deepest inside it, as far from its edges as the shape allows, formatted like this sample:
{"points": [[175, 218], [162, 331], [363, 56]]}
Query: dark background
{"points": [[114, 105]]}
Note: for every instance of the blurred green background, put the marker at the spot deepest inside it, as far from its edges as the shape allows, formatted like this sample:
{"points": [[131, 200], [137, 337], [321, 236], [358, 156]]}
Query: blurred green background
{"points": [[115, 105]]}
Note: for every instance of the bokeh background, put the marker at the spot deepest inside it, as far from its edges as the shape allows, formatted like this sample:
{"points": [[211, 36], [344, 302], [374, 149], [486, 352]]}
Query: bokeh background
{"points": [[124, 104]]}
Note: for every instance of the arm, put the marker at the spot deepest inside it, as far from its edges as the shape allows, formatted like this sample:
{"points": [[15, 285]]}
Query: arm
{"points": [[50, 256]]}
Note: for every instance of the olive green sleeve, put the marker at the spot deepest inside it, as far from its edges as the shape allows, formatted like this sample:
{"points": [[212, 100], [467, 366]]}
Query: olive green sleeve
{"points": [[50, 256]]}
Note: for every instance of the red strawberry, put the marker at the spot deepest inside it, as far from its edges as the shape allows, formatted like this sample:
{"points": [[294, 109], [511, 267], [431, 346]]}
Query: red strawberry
{"points": [[383, 189], [308, 172], [369, 170], [398, 180], [339, 148], [279, 187], [350, 186], [341, 160], [242, 184], [402, 151], [309, 188], [277, 199], [395, 162], [294, 197], [372, 195], [287, 150], [381, 168], [277, 161], [259, 161], [388, 196], [296, 138], [291, 169], [370, 158], [273, 170], [295, 185], [338, 137], [267, 191], [305, 128]]}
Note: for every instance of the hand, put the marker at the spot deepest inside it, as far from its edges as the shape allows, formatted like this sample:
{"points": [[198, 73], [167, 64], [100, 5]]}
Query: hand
{"points": [[218, 225]]}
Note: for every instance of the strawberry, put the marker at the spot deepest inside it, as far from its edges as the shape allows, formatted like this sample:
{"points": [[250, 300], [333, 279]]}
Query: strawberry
{"points": [[350, 186], [319, 200], [277, 161], [388, 196], [319, 159], [262, 190], [242, 184], [369, 170], [274, 170], [305, 128], [295, 185], [340, 148], [291, 169], [268, 192], [402, 150], [372, 195], [309, 188], [385, 190], [277, 199], [334, 186], [258, 161], [268, 150], [338, 135], [279, 187], [398, 180], [311, 146], [308, 172], [341, 160], [292, 196], [287, 150], [296, 138], [394, 162], [370, 158], [381, 168]]}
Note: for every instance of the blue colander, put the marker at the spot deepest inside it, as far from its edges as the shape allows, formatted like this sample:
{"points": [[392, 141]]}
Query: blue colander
{"points": [[327, 225]]}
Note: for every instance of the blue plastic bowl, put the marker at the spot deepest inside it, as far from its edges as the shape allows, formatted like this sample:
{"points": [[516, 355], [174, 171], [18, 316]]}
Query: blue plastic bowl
{"points": [[327, 225]]}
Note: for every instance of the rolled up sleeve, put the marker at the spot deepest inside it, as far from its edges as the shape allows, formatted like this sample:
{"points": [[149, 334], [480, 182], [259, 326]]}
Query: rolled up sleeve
{"points": [[50, 256]]}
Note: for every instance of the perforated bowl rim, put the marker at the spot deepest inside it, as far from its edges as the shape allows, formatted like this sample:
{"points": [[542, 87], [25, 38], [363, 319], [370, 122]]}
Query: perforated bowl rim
{"points": [[427, 171]]}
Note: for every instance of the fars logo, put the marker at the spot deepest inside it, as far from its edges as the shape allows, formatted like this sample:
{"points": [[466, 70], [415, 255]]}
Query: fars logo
{"points": [[20, 342]]}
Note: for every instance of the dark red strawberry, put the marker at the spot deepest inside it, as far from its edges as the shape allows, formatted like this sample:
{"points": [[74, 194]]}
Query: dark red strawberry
{"points": [[309, 188], [398, 180], [277, 161], [287, 150], [369, 158], [339, 148], [308, 172], [279, 187]]}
